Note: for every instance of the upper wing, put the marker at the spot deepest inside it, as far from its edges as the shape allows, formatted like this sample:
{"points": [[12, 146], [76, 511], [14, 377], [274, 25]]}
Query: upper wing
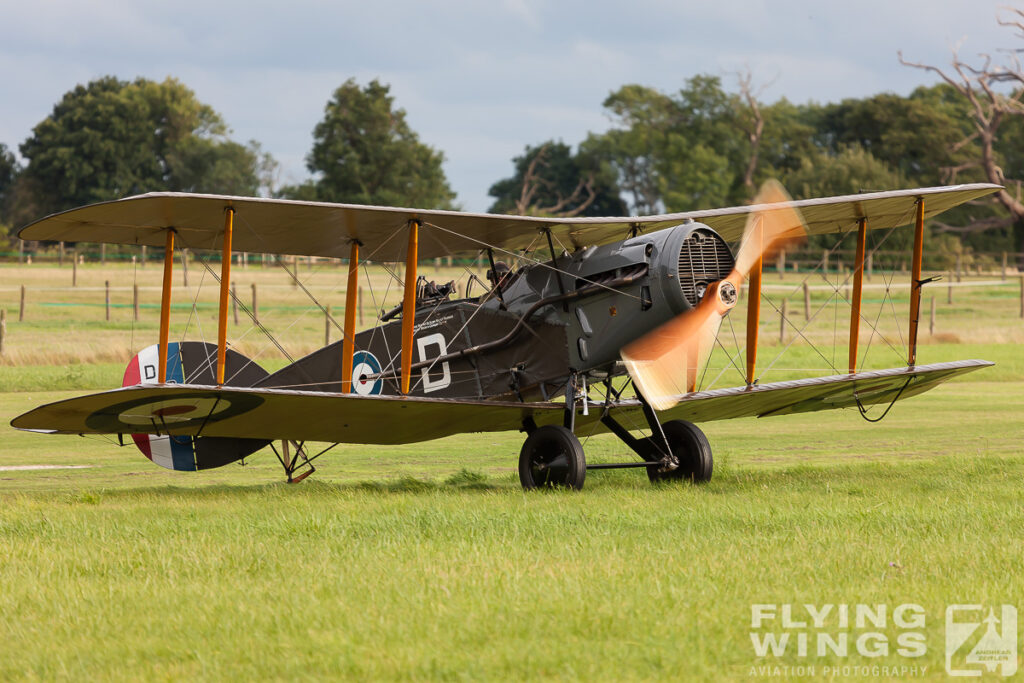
{"points": [[280, 226], [349, 418]]}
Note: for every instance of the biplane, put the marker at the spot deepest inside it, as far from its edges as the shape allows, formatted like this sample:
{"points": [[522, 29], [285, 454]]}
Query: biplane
{"points": [[628, 308]]}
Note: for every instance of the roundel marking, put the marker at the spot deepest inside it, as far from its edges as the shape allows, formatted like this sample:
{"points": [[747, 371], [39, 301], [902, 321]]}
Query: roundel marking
{"points": [[364, 364], [186, 410], [173, 411]]}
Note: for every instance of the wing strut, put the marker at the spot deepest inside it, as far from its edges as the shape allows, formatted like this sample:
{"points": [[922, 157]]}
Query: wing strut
{"points": [[915, 283], [754, 301], [858, 285], [165, 309], [348, 344], [225, 288], [409, 303]]}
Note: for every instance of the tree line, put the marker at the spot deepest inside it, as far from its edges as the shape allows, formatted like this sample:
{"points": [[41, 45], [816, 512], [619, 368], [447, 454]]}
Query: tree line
{"points": [[710, 143]]}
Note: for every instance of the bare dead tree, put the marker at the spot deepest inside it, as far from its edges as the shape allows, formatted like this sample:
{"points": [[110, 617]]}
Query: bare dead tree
{"points": [[975, 225], [582, 196], [989, 107], [753, 127]]}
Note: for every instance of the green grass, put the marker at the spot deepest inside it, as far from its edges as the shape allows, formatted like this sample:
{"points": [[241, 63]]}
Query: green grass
{"points": [[447, 581]]}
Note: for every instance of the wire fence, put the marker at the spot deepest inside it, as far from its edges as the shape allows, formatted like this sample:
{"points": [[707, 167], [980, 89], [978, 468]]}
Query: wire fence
{"points": [[86, 290]]}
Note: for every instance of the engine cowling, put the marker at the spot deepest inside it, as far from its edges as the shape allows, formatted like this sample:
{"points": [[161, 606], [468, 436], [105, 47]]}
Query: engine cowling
{"points": [[681, 263]]}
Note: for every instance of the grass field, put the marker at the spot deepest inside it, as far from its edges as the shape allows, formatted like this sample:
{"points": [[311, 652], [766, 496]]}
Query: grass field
{"points": [[428, 561]]}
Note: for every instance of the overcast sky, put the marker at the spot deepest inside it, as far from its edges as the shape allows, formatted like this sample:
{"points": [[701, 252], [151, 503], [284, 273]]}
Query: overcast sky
{"points": [[478, 80]]}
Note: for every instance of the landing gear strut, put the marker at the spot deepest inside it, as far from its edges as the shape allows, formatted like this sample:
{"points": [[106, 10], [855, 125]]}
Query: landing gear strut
{"points": [[292, 465]]}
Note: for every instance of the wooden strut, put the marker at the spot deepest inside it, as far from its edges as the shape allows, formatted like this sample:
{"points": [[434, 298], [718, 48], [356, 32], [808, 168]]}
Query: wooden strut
{"points": [[754, 303], [858, 285], [165, 309], [225, 288], [409, 304], [915, 284], [348, 348]]}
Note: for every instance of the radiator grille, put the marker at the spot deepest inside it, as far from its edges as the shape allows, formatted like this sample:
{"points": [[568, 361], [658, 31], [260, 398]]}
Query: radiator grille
{"points": [[704, 258]]}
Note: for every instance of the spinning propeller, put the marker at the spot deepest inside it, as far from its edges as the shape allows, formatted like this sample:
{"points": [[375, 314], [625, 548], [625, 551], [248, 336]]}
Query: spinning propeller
{"points": [[664, 362]]}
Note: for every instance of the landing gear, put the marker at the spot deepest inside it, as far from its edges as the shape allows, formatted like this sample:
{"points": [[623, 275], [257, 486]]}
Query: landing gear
{"points": [[690, 448], [552, 457], [292, 465]]}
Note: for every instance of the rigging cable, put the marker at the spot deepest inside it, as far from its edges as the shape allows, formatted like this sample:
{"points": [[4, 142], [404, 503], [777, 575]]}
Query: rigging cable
{"points": [[863, 411]]}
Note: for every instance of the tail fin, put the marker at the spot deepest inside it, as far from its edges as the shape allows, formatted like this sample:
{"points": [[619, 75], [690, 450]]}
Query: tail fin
{"points": [[193, 363]]}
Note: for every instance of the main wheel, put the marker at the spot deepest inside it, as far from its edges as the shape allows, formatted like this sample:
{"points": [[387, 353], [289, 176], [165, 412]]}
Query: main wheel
{"points": [[552, 457], [691, 447]]}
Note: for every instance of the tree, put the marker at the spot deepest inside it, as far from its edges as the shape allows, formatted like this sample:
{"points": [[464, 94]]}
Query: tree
{"points": [[552, 181], [365, 153], [111, 138], [679, 152], [994, 95], [915, 135], [642, 117], [8, 173]]}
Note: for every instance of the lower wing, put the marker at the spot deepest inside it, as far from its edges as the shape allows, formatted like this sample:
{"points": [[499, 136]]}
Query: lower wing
{"points": [[271, 414]]}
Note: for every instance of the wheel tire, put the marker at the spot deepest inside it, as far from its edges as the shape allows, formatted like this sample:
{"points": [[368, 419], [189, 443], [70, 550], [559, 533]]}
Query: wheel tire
{"points": [[689, 444], [552, 457]]}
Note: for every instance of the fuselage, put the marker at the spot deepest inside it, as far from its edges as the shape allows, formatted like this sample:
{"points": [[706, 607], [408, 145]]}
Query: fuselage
{"points": [[550, 320]]}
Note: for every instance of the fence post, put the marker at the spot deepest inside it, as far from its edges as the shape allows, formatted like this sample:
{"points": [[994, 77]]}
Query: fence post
{"points": [[949, 289], [103, 253], [135, 301], [959, 267], [106, 297], [931, 320], [142, 264], [3, 328], [234, 302], [21, 305], [1004, 266], [871, 266], [255, 305], [21, 252], [327, 325], [781, 265], [184, 267], [807, 301], [60, 258], [74, 267]]}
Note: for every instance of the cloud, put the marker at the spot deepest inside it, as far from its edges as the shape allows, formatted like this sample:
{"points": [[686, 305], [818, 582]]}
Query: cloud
{"points": [[478, 80]]}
